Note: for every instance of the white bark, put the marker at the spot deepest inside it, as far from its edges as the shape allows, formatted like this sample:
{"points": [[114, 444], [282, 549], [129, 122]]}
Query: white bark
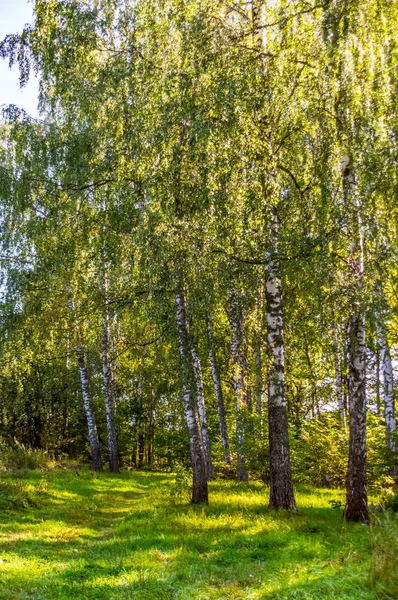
{"points": [[108, 384], [388, 383], [88, 408], [339, 383], [240, 385], [281, 484], [259, 357], [275, 335], [84, 382], [378, 380], [199, 489], [219, 394], [259, 378], [356, 508], [202, 413]]}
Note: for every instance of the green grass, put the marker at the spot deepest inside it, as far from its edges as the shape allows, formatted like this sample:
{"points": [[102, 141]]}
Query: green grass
{"points": [[104, 536]]}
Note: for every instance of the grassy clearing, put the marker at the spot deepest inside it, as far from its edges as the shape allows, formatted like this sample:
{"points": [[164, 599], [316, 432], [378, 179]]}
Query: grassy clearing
{"points": [[103, 536]]}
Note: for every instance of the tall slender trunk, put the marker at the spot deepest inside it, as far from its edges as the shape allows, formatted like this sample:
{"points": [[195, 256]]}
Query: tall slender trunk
{"points": [[281, 485], [388, 384], [108, 384], [113, 336], [199, 488], [339, 383], [140, 423], [378, 380], [88, 407], [240, 384], [356, 508], [246, 371], [151, 429], [259, 376], [141, 449], [202, 413], [84, 382], [315, 401], [200, 492], [219, 394], [258, 347]]}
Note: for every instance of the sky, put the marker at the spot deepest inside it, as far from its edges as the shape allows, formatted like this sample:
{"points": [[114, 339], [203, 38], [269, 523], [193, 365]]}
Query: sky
{"points": [[14, 14]]}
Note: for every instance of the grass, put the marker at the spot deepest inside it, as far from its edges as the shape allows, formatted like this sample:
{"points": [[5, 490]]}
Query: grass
{"points": [[103, 536]]}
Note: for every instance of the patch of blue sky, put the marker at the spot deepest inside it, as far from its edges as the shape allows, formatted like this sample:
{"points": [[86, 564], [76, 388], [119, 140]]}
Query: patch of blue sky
{"points": [[14, 15]]}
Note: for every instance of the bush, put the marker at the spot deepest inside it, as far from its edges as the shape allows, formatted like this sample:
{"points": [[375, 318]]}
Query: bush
{"points": [[320, 448], [16, 457]]}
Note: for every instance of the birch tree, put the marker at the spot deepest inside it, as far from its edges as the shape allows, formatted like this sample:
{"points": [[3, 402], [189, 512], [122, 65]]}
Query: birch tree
{"points": [[218, 392], [91, 422], [281, 486], [388, 384], [198, 458], [240, 382], [202, 413]]}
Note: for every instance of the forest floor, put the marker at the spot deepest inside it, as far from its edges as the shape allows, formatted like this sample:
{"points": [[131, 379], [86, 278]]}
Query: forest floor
{"points": [[67, 535]]}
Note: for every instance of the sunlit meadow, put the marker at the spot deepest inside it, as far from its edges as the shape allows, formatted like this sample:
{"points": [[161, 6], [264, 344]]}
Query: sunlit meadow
{"points": [[79, 535]]}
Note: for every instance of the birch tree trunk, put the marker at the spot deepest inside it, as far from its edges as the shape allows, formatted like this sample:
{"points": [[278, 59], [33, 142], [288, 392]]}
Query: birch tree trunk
{"points": [[202, 414], [339, 383], [259, 356], [315, 402], [356, 508], [84, 382], [388, 384], [281, 485], [259, 376], [88, 408], [199, 488], [378, 380], [151, 429], [140, 428], [108, 384], [239, 382], [219, 394]]}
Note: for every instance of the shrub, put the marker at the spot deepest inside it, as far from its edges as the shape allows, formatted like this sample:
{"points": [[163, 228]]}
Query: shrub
{"points": [[16, 457], [320, 448]]}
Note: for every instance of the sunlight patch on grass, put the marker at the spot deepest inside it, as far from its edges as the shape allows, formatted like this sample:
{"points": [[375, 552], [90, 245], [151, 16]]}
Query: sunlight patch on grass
{"points": [[106, 536]]}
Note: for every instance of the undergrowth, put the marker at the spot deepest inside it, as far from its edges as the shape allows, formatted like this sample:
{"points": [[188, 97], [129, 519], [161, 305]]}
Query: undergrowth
{"points": [[383, 574], [14, 456], [15, 493]]}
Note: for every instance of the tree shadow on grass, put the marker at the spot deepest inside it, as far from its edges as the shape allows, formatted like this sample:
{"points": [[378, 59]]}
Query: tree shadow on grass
{"points": [[135, 545], [176, 558]]}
